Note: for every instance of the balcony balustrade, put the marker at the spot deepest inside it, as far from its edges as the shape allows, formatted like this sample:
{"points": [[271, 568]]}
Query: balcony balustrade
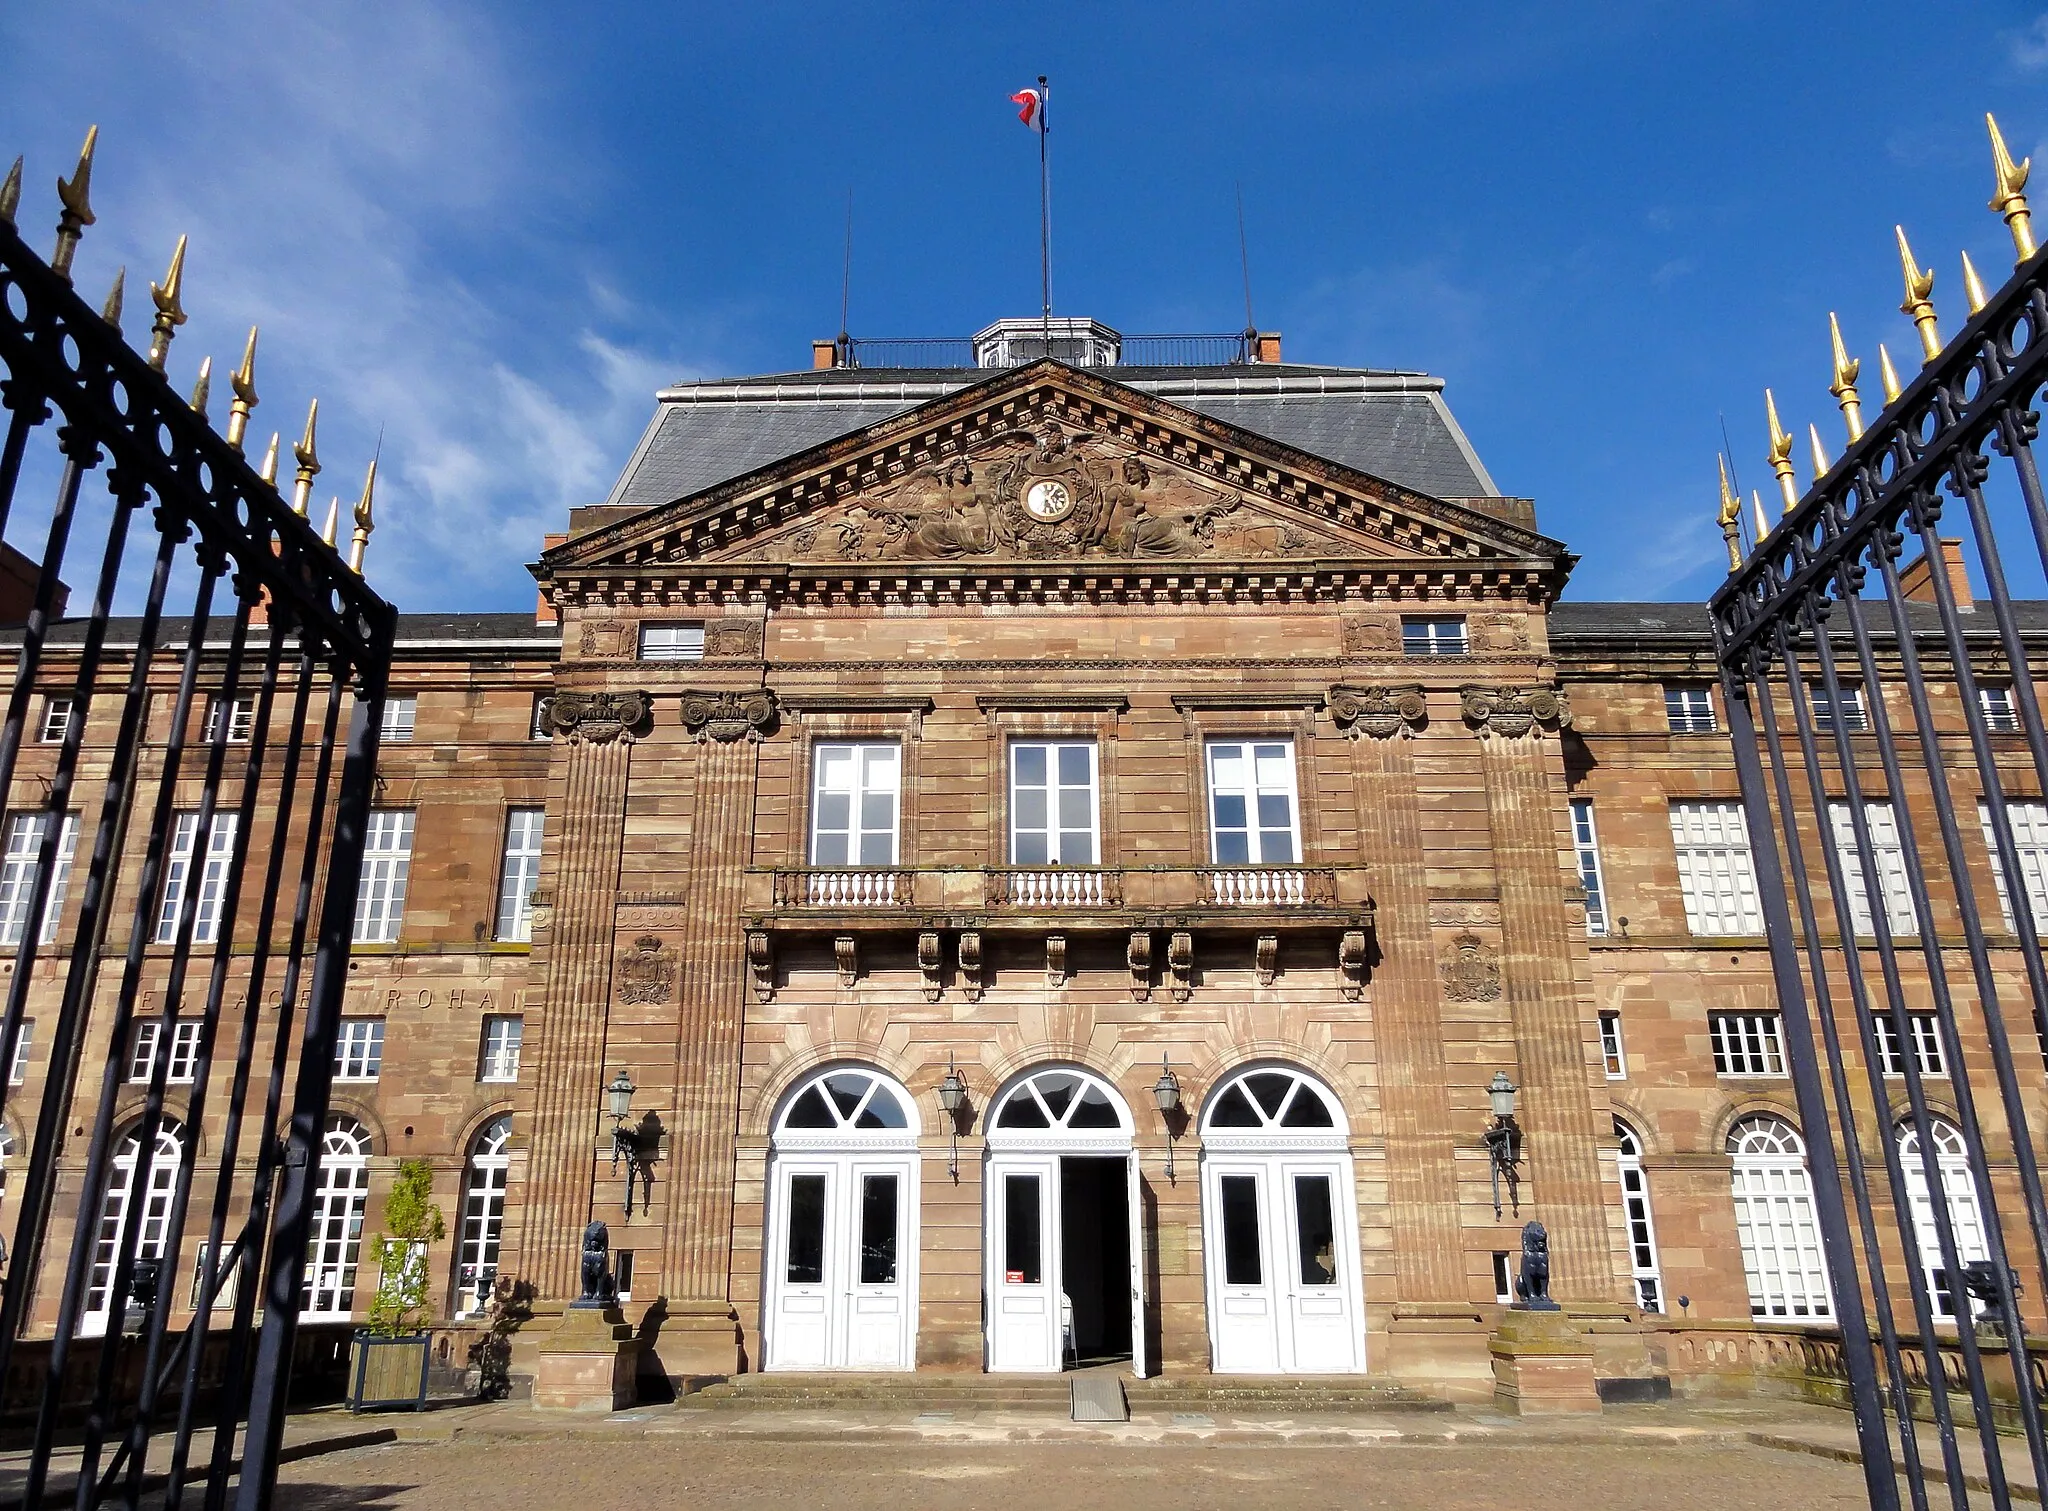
{"points": [[1108, 894], [842, 889]]}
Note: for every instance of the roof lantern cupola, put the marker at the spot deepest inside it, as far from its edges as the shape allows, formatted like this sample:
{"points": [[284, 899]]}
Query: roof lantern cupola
{"points": [[1070, 339]]}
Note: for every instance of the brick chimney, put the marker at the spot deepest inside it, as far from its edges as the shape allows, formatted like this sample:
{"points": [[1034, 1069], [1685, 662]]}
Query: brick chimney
{"points": [[1266, 347], [824, 355], [544, 612], [1917, 580]]}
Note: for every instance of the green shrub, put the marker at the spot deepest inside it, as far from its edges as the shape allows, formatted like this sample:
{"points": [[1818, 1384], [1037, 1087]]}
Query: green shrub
{"points": [[411, 1222]]}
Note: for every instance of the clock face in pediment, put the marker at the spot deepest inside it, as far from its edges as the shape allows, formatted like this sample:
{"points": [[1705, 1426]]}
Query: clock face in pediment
{"points": [[1048, 501]]}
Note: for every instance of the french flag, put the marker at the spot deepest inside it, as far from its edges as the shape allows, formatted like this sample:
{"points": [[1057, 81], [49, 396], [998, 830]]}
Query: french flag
{"points": [[1030, 105]]}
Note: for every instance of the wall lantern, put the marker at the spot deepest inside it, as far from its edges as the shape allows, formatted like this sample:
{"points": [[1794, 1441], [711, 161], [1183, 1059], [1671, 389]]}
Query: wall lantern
{"points": [[626, 1141], [953, 1102], [1166, 1092], [1504, 1143]]}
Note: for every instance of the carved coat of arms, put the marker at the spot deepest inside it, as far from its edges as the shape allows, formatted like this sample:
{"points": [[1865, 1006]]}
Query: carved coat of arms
{"points": [[647, 972], [1471, 971]]}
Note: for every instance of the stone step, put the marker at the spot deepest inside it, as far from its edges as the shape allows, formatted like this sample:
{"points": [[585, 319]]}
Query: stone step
{"points": [[1276, 1393], [923, 1391]]}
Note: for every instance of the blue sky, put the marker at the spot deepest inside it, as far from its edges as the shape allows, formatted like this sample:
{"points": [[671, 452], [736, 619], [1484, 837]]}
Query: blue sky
{"points": [[491, 231]]}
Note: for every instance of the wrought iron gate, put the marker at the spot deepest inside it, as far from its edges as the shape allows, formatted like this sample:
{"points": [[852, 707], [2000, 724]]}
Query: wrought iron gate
{"points": [[1871, 704], [211, 769]]}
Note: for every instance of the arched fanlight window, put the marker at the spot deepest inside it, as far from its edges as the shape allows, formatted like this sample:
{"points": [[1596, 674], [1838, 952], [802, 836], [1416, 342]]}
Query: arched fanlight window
{"points": [[1061, 1101], [338, 1205], [1775, 1220], [1965, 1215], [1635, 1205], [849, 1101], [152, 1210], [483, 1216], [1272, 1099]]}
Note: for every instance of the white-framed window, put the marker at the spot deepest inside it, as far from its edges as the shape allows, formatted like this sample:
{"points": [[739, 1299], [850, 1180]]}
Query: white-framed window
{"points": [[1959, 1187], [1635, 1206], [184, 1052], [671, 642], [1612, 1054], [151, 1212], [498, 1059], [205, 898], [1747, 1044], [1891, 868], [17, 1071], [56, 723], [240, 714], [1775, 1221], [483, 1217], [387, 862], [1503, 1280], [622, 1273], [1444, 636], [1586, 849], [359, 1049], [1254, 813], [1689, 710], [855, 798], [1054, 803], [538, 729], [1716, 875], [1853, 717], [202, 1274], [400, 713], [23, 847], [1923, 1034], [2029, 822], [336, 1242], [520, 873], [2001, 715]]}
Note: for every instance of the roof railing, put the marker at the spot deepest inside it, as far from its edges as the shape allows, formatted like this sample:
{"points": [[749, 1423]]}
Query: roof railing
{"points": [[1199, 350]]}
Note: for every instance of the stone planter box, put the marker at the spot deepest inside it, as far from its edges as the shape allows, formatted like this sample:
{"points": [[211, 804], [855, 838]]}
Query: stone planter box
{"points": [[388, 1371]]}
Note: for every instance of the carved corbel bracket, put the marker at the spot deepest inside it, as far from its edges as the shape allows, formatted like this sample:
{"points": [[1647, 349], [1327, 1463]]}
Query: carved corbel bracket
{"points": [[846, 951], [1351, 964], [1055, 960], [598, 718], [1266, 958], [1511, 712], [761, 963], [1138, 955], [970, 964], [1180, 965], [929, 963], [729, 716], [1382, 712]]}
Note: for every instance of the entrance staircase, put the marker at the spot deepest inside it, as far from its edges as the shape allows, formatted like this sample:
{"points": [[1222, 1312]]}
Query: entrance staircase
{"points": [[1054, 1395]]}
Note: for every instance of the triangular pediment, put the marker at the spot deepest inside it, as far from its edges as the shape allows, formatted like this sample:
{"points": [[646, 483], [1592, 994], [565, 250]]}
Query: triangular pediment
{"points": [[1051, 464]]}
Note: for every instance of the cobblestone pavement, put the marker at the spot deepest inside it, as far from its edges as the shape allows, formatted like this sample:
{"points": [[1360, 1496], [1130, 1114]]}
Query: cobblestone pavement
{"points": [[826, 1476]]}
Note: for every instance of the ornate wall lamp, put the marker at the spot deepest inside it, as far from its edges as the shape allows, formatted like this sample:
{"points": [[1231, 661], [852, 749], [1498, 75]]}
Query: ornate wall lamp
{"points": [[1504, 1143], [626, 1141], [953, 1102], [1166, 1092]]}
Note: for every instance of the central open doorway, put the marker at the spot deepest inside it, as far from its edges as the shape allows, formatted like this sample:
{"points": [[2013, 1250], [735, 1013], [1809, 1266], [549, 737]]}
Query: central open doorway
{"points": [[1063, 1287]]}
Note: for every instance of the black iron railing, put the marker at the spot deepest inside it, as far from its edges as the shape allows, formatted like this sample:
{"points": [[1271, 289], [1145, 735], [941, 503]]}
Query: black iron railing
{"points": [[1132, 351]]}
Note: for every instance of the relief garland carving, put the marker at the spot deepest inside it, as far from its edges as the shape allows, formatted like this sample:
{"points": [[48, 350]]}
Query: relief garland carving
{"points": [[1381, 712], [597, 718], [1513, 711]]}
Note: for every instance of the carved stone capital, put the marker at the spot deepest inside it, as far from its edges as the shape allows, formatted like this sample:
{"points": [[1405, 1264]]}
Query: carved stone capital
{"points": [[1514, 711], [729, 716], [598, 718], [1382, 712]]}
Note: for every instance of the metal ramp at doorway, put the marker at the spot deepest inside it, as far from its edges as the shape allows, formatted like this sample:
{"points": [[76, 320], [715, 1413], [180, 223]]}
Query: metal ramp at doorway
{"points": [[1097, 1396]]}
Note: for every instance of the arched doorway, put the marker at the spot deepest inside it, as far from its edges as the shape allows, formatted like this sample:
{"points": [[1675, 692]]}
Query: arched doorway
{"points": [[1966, 1218], [840, 1288], [1280, 1228], [1775, 1221], [152, 1211], [483, 1217], [339, 1200], [1062, 1240]]}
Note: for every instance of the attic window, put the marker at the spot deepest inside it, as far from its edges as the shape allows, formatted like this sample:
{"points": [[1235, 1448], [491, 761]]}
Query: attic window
{"points": [[672, 642]]}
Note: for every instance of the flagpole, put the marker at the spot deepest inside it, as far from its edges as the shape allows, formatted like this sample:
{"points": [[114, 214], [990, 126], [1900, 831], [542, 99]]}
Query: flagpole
{"points": [[1045, 211]]}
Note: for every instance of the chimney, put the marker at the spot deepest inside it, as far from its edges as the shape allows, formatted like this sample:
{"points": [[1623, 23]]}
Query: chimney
{"points": [[1917, 580], [1267, 347], [544, 612], [824, 355]]}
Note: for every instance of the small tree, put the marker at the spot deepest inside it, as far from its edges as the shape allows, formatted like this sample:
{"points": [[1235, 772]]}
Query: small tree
{"points": [[411, 1222]]}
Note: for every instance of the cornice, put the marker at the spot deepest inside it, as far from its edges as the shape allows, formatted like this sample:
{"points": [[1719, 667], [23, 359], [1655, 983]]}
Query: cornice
{"points": [[1067, 702]]}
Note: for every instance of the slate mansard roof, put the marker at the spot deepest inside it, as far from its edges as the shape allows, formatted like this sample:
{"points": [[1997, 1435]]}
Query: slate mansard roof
{"points": [[1391, 425]]}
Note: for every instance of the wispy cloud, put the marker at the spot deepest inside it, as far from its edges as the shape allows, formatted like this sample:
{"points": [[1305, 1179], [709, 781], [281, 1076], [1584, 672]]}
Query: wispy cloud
{"points": [[2028, 47]]}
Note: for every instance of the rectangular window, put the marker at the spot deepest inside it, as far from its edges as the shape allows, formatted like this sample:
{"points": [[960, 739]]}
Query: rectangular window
{"points": [[499, 1057], [622, 1273], [1923, 1031], [224, 1298], [671, 642], [1243, 1262], [1433, 637], [211, 881], [519, 875], [1503, 1287], [1689, 710], [241, 717], [1586, 847], [1611, 1052], [1852, 717], [1891, 868], [17, 1072], [2029, 822], [56, 719], [854, 799], [23, 848], [805, 1264], [878, 1230], [1746, 1044], [1020, 1230], [2001, 716], [1253, 813], [399, 715], [184, 1052], [1315, 1230], [1715, 876], [387, 861], [1052, 804], [359, 1050]]}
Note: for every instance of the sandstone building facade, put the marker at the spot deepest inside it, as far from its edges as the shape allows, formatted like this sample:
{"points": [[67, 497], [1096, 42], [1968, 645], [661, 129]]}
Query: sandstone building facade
{"points": [[1193, 775]]}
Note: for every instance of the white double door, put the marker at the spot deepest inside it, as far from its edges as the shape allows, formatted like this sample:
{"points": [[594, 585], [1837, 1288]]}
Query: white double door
{"points": [[842, 1287], [1281, 1251], [1029, 1309]]}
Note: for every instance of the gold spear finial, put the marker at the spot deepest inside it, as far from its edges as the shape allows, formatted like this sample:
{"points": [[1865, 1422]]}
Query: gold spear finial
{"points": [[1847, 369], [309, 466], [76, 197], [202, 389], [1781, 453], [359, 538], [1887, 373], [244, 383], [1763, 526], [1973, 286], [1917, 308], [333, 519], [2010, 199], [1820, 455], [170, 313], [111, 310], [10, 193], [1730, 519], [268, 471]]}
